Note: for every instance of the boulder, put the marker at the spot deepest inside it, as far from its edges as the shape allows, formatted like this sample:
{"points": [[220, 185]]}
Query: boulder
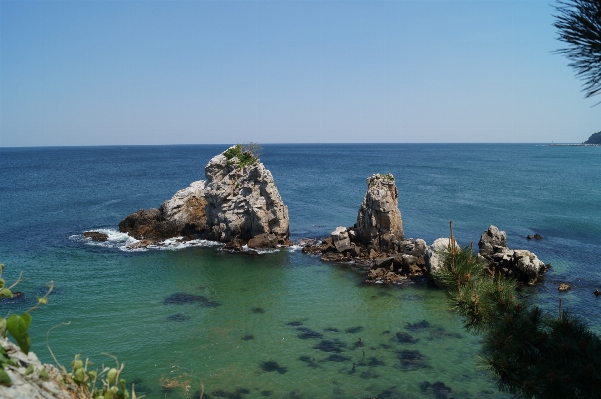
{"points": [[520, 264], [379, 213], [96, 236], [187, 209], [148, 224], [242, 200], [384, 263], [433, 256], [265, 240], [340, 239], [490, 239]]}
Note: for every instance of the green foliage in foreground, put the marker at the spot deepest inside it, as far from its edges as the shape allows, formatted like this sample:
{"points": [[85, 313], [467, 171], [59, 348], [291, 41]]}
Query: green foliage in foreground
{"points": [[532, 354], [594, 139], [579, 26], [92, 384], [242, 155]]}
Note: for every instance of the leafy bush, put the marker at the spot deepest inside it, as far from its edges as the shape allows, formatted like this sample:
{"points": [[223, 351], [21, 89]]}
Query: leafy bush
{"points": [[242, 155]]}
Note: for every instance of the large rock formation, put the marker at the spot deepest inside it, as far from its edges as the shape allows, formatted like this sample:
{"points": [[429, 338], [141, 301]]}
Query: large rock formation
{"points": [[242, 200], [376, 241], [520, 264], [379, 219], [239, 200]]}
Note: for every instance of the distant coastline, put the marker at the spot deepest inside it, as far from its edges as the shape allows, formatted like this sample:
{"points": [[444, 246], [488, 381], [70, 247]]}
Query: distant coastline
{"points": [[574, 145]]}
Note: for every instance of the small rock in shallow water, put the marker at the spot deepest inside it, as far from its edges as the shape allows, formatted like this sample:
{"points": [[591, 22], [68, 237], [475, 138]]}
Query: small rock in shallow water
{"points": [[564, 287], [597, 292], [258, 310], [295, 323], [95, 236], [248, 337], [330, 329]]}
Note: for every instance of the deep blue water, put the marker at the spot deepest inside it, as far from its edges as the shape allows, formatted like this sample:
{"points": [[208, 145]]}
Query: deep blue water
{"points": [[113, 298]]}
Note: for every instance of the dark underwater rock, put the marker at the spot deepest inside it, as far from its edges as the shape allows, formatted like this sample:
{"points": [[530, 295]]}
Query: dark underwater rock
{"points": [[307, 333], [438, 389], [258, 310], [270, 366], [412, 359], [295, 323], [180, 298], [353, 330], [404, 338], [237, 394], [421, 325], [247, 337], [327, 345], [330, 329]]}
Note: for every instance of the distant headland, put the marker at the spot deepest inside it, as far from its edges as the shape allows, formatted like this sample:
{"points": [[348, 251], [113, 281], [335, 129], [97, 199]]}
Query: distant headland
{"points": [[594, 140]]}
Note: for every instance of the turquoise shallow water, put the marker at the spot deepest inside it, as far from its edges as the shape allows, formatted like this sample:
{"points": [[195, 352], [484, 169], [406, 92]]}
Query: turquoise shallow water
{"points": [[115, 299]]}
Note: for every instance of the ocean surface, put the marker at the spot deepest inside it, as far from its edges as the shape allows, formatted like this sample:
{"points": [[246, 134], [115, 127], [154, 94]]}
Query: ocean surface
{"points": [[284, 324]]}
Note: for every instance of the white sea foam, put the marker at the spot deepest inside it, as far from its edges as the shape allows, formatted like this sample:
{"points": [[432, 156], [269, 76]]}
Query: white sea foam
{"points": [[125, 242], [116, 239]]}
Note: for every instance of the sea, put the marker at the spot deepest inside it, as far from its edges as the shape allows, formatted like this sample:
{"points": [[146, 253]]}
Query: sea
{"points": [[189, 320]]}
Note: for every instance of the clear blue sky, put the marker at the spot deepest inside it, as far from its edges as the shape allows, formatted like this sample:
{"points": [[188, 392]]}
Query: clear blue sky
{"points": [[187, 72]]}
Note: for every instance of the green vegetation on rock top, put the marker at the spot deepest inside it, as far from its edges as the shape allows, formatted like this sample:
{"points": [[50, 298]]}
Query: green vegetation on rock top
{"points": [[243, 157], [594, 139]]}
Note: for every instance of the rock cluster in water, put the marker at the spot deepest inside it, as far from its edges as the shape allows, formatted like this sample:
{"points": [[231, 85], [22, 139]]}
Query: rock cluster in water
{"points": [[377, 239], [238, 204], [376, 242], [520, 264]]}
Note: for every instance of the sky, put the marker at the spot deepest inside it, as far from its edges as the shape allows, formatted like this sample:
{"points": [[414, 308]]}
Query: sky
{"points": [[205, 72]]}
